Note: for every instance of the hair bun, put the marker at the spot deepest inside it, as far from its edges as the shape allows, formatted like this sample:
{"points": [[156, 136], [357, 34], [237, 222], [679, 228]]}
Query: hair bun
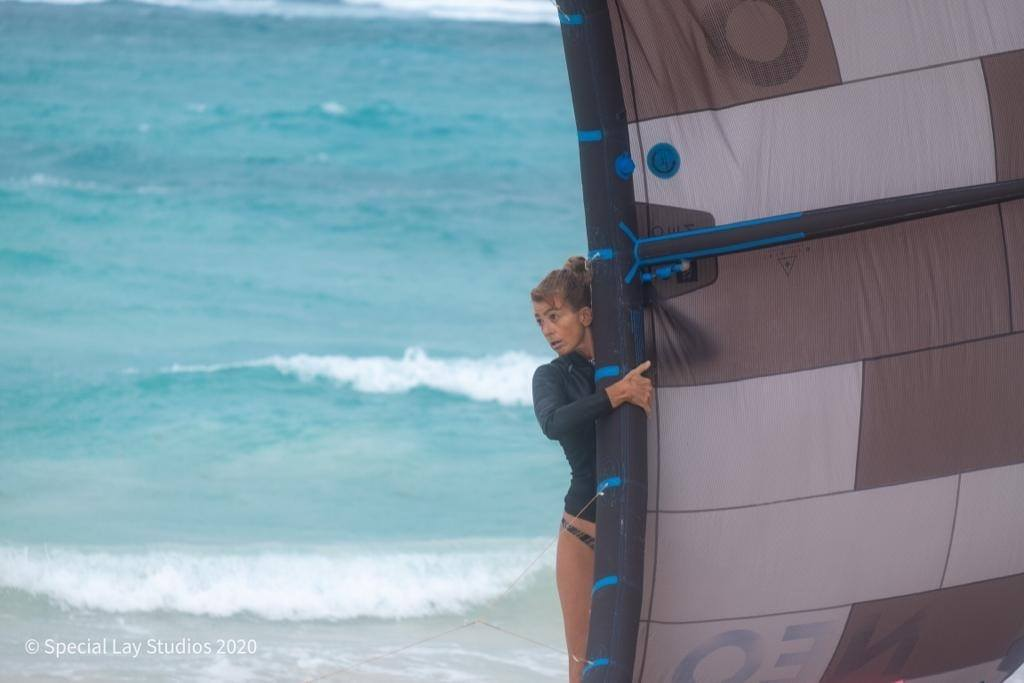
{"points": [[576, 264], [571, 282]]}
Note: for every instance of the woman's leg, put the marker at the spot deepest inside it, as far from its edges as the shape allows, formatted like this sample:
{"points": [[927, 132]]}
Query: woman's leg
{"points": [[574, 575]]}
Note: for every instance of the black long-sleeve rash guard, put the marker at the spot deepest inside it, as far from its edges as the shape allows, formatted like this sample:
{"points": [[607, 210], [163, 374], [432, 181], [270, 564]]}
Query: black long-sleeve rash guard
{"points": [[566, 404]]}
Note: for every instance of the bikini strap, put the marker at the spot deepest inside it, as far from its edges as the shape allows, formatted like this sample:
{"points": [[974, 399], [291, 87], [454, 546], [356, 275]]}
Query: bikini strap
{"points": [[579, 533]]}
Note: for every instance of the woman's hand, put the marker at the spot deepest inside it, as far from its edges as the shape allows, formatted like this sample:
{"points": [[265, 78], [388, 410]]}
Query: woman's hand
{"points": [[633, 388]]}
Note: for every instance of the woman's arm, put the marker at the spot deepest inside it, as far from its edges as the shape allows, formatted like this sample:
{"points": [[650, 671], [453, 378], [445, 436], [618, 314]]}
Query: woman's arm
{"points": [[556, 415]]}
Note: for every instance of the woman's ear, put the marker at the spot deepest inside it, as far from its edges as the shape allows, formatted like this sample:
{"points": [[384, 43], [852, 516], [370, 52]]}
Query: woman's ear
{"points": [[586, 316]]}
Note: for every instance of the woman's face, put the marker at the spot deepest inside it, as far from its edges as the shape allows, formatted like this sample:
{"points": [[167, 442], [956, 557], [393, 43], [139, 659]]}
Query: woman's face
{"points": [[562, 327]]}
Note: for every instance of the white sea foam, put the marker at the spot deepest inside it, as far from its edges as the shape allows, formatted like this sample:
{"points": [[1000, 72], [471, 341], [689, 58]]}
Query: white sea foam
{"points": [[50, 181], [506, 378], [47, 181], [506, 11], [62, 2], [333, 108], [518, 11], [333, 583]]}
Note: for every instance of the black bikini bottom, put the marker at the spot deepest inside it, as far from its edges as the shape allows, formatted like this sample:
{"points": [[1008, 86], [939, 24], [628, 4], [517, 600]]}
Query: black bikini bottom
{"points": [[578, 533]]}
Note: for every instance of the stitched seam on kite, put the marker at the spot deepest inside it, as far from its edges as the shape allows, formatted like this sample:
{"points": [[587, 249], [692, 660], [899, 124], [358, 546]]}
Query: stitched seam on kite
{"points": [[828, 607], [952, 531], [995, 174], [826, 87], [997, 335]]}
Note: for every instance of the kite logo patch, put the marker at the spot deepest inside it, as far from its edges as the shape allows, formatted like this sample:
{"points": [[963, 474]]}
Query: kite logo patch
{"points": [[663, 160], [787, 258], [776, 29]]}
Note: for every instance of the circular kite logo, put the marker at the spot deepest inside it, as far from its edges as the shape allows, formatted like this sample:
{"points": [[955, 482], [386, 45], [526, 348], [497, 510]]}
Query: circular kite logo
{"points": [[663, 160]]}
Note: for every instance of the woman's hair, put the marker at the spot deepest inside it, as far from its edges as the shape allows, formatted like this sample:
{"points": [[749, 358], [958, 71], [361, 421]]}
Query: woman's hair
{"points": [[571, 282]]}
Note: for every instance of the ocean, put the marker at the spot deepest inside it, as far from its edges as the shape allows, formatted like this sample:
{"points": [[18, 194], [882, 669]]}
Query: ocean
{"points": [[266, 339]]}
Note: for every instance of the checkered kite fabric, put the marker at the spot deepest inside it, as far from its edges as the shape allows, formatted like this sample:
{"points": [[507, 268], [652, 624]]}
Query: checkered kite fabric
{"points": [[836, 462]]}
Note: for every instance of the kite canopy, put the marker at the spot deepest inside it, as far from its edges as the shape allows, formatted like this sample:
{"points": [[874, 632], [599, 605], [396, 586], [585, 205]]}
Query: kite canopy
{"points": [[807, 214]]}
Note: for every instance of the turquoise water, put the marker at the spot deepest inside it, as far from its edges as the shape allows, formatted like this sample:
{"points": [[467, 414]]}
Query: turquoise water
{"points": [[265, 335]]}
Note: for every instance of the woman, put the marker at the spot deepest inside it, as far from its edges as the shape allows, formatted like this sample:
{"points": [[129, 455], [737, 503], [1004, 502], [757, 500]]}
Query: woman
{"points": [[566, 404]]}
